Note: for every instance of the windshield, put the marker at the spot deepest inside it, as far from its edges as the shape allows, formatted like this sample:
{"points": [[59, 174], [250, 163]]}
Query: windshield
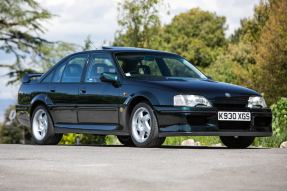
{"points": [[157, 64]]}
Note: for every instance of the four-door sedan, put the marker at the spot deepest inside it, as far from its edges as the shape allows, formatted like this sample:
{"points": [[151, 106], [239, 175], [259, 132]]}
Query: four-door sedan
{"points": [[142, 96]]}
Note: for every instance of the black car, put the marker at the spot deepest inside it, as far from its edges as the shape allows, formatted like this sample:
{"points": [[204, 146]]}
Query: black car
{"points": [[142, 96]]}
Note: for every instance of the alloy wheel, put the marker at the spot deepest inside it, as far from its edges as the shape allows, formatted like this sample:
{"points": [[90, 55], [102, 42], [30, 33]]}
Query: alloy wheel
{"points": [[141, 124], [40, 124]]}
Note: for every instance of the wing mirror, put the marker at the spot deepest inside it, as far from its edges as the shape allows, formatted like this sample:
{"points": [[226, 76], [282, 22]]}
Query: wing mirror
{"points": [[109, 77], [209, 77]]}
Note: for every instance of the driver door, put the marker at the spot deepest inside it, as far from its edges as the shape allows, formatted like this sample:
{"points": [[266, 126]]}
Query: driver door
{"points": [[98, 101]]}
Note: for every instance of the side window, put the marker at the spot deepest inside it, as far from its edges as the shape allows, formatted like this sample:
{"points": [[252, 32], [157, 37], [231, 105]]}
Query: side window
{"points": [[98, 64], [74, 68], [59, 72], [48, 78]]}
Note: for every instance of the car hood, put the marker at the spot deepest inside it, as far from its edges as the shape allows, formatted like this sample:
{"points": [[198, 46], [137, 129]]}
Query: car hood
{"points": [[214, 91]]}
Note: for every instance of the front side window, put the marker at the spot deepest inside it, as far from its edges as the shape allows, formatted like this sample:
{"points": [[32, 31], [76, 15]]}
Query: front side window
{"points": [[98, 64], [156, 65], [74, 68]]}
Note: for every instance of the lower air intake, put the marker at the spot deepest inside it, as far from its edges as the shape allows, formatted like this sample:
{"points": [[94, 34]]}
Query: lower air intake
{"points": [[234, 125]]}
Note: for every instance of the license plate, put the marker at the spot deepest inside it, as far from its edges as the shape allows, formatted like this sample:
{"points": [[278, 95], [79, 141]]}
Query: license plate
{"points": [[234, 116]]}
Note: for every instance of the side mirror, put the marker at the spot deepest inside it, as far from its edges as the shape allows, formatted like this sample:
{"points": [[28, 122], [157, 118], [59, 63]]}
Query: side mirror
{"points": [[209, 77], [109, 77]]}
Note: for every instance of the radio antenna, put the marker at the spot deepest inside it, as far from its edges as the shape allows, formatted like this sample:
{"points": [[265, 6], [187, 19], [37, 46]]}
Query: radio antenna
{"points": [[91, 42]]}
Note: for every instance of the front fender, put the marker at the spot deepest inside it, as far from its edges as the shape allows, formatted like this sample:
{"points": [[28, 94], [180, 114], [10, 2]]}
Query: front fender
{"points": [[150, 96]]}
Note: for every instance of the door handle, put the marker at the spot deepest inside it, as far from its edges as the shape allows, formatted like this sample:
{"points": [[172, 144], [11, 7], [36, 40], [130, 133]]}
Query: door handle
{"points": [[52, 89], [83, 90]]}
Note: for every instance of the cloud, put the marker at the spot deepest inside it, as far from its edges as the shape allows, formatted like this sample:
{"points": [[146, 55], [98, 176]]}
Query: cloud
{"points": [[99, 18]]}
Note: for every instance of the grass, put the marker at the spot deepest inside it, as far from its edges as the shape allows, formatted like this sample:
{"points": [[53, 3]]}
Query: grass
{"points": [[274, 141], [205, 141]]}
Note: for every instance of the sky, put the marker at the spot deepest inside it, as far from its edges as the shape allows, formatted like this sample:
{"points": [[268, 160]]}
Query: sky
{"points": [[98, 18]]}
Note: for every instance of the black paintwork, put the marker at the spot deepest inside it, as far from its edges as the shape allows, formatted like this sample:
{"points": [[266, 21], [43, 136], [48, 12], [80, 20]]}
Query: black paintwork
{"points": [[105, 107]]}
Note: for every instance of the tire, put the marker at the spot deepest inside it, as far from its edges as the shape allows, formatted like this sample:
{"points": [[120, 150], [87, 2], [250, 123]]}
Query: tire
{"points": [[126, 140], [42, 127], [144, 126], [239, 142], [160, 141]]}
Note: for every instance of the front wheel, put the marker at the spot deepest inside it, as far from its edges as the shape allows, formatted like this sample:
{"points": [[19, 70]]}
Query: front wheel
{"points": [[237, 142], [42, 127], [144, 126]]}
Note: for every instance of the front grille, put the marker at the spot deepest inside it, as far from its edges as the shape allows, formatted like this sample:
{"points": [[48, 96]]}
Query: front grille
{"points": [[194, 120], [230, 105], [262, 121], [234, 125]]}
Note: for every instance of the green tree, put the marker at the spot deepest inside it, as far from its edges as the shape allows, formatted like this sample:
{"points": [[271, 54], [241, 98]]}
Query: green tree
{"points": [[251, 28], [234, 65], [139, 22], [271, 60], [196, 35], [20, 25], [20, 29]]}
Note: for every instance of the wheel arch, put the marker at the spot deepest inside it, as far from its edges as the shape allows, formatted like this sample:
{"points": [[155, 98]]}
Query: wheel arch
{"points": [[38, 100], [131, 102]]}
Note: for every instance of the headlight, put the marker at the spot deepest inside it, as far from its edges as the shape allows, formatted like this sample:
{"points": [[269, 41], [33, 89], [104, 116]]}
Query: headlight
{"points": [[256, 101], [191, 100]]}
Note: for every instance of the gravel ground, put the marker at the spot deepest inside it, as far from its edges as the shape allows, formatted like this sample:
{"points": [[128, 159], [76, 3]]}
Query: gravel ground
{"points": [[85, 167]]}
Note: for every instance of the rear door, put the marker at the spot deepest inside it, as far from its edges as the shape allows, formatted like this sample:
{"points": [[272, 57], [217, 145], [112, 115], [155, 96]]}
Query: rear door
{"points": [[63, 90], [98, 101]]}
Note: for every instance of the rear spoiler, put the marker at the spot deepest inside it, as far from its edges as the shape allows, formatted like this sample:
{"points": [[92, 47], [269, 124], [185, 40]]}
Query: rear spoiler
{"points": [[27, 77]]}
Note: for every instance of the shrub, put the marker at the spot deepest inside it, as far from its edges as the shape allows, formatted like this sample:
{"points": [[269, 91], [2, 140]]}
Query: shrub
{"points": [[279, 122]]}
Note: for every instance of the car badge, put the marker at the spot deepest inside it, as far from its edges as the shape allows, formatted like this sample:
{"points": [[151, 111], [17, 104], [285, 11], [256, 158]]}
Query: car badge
{"points": [[227, 95]]}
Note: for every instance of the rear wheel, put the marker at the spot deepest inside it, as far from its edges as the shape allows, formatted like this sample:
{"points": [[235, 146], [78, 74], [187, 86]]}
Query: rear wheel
{"points": [[126, 140], [237, 142], [42, 127], [144, 126]]}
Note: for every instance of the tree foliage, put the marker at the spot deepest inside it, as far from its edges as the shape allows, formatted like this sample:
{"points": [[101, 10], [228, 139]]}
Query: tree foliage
{"points": [[139, 22], [196, 35], [251, 28], [234, 65], [20, 26], [271, 66], [279, 122]]}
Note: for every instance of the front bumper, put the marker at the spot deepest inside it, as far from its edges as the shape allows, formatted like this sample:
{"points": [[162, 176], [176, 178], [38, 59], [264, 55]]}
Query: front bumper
{"points": [[187, 121]]}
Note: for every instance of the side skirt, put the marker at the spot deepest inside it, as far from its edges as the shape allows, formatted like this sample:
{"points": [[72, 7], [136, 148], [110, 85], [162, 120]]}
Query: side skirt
{"points": [[90, 129]]}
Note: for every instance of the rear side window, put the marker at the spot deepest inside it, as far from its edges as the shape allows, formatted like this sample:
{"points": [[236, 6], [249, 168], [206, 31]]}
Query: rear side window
{"points": [[59, 72], [74, 68], [48, 78]]}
